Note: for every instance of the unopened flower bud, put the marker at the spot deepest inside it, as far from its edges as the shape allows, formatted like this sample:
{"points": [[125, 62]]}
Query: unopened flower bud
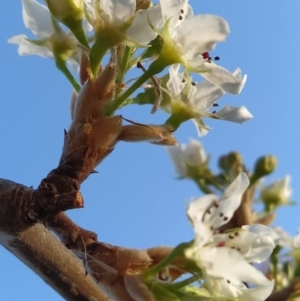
{"points": [[231, 162], [65, 9], [264, 166]]}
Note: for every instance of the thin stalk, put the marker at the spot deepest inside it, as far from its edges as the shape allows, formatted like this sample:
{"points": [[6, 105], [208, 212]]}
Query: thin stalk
{"points": [[178, 251], [61, 65], [122, 98]]}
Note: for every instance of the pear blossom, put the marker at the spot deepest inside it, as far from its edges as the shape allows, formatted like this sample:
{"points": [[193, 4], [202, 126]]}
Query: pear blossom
{"points": [[225, 270], [200, 98], [116, 22], [188, 38], [51, 40], [188, 156], [277, 193]]}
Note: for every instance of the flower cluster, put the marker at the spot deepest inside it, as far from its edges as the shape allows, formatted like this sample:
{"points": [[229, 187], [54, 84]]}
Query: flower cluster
{"points": [[225, 258], [169, 32]]}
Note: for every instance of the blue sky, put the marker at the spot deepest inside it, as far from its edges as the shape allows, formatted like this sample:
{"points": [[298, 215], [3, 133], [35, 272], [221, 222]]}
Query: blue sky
{"points": [[135, 199]]}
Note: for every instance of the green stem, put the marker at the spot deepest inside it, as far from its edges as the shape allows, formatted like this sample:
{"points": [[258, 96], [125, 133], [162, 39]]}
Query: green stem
{"points": [[184, 283], [122, 98], [61, 65], [156, 67], [123, 67], [76, 27], [178, 251], [201, 183], [96, 54]]}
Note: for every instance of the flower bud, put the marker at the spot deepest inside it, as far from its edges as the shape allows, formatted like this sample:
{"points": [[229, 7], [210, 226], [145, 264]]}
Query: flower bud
{"points": [[264, 166], [232, 161], [66, 9], [277, 193]]}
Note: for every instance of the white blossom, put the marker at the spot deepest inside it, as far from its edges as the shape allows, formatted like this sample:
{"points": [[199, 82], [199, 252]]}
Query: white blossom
{"points": [[200, 99], [51, 40], [189, 38], [278, 192], [116, 21], [225, 270], [187, 155]]}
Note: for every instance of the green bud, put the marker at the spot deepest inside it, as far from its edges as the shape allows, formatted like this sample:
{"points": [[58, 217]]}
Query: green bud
{"points": [[231, 162], [264, 166]]}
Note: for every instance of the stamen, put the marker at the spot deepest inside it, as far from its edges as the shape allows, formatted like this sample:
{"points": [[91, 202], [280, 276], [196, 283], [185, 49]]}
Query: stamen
{"points": [[205, 55], [180, 18], [217, 58], [225, 219], [215, 105], [215, 204]]}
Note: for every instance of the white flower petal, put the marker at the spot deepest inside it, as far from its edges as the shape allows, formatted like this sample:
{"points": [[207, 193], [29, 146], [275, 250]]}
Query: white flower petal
{"points": [[202, 129], [175, 83], [172, 10], [176, 155], [187, 154], [223, 262], [140, 30], [118, 11], [194, 153], [37, 18], [231, 83], [205, 95], [241, 292], [234, 114], [196, 211], [254, 242], [199, 34], [28, 48], [229, 202]]}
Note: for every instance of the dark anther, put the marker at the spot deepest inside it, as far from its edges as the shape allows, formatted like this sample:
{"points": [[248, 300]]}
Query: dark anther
{"points": [[193, 84], [180, 18], [217, 58], [182, 11], [215, 105], [214, 112]]}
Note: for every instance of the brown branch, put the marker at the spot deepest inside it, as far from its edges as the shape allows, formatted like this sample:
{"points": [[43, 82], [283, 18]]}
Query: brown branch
{"points": [[90, 138]]}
